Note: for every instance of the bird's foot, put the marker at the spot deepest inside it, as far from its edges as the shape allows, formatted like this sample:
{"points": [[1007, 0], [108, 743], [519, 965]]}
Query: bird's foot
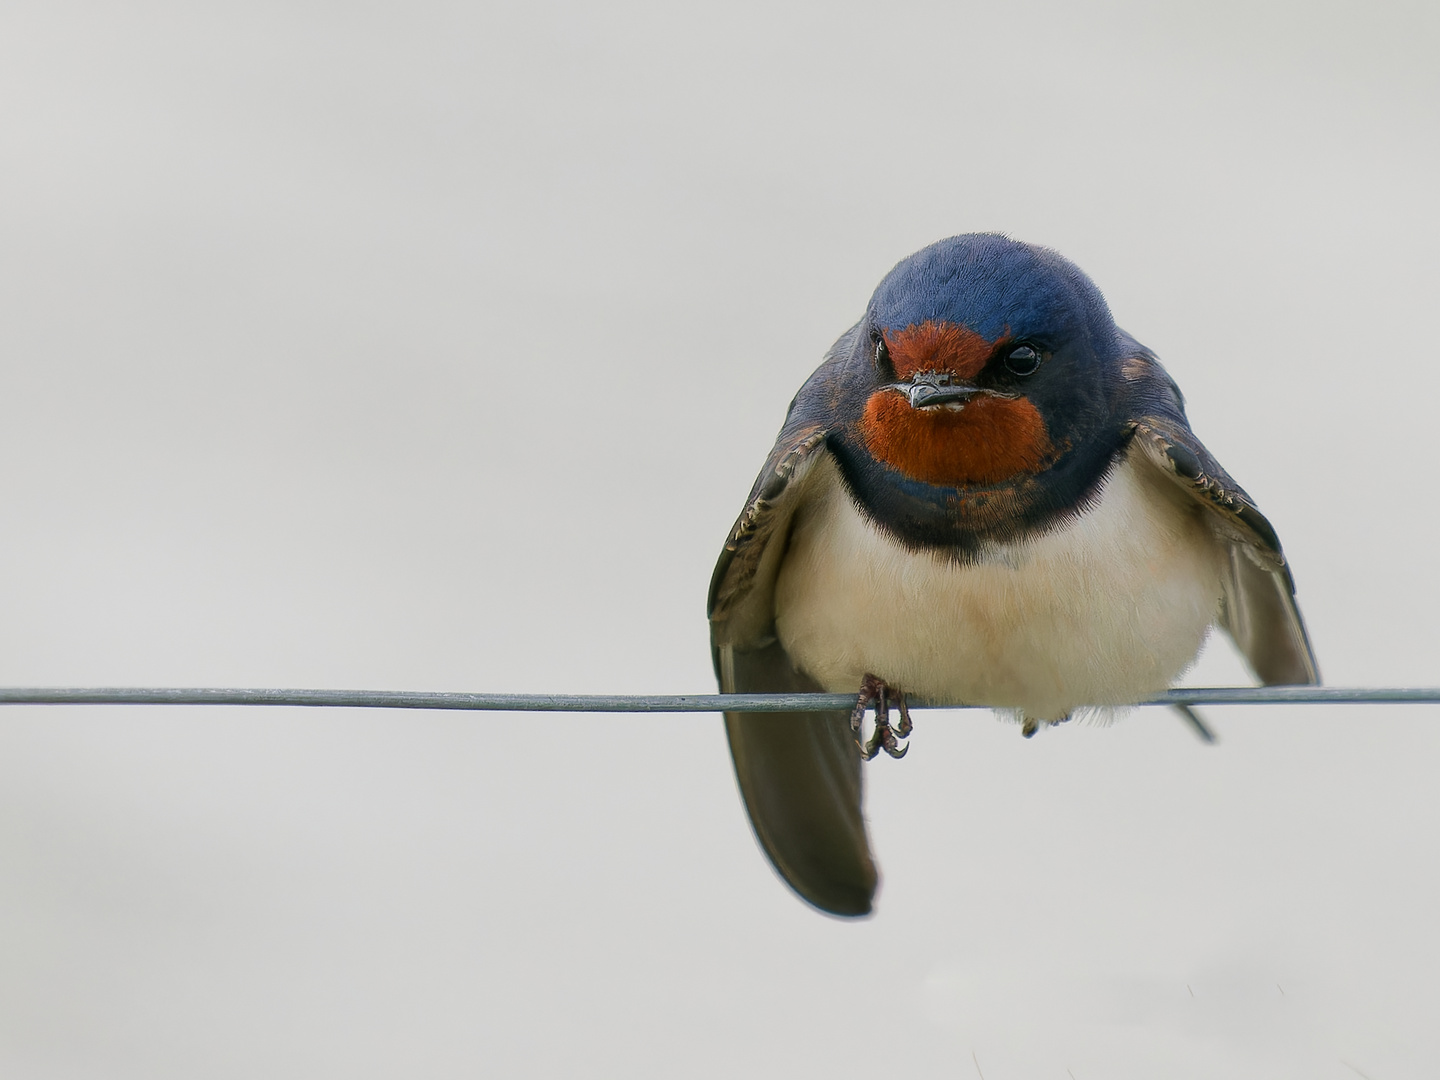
{"points": [[880, 694], [1029, 725]]}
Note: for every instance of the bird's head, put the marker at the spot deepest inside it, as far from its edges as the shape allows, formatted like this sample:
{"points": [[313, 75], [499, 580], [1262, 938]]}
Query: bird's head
{"points": [[980, 382]]}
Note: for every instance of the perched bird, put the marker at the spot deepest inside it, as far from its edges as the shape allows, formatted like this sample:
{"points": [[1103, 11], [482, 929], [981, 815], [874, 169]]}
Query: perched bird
{"points": [[987, 493]]}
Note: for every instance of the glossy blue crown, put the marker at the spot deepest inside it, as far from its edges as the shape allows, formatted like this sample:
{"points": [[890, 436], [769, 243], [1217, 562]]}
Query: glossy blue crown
{"points": [[993, 285]]}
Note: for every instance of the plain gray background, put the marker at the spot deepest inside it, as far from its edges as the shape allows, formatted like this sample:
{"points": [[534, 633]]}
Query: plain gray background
{"points": [[435, 346]]}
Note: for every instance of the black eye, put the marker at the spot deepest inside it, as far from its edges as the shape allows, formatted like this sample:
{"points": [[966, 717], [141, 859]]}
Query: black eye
{"points": [[882, 351], [1023, 361]]}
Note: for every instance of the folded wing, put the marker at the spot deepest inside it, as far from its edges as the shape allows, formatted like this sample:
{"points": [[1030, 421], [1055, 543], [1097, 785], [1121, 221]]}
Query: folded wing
{"points": [[799, 773], [1259, 610]]}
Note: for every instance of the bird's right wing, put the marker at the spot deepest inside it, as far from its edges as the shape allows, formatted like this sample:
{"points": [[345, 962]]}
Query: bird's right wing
{"points": [[799, 773]]}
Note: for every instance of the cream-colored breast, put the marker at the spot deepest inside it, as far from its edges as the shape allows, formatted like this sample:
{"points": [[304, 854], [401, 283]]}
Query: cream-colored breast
{"points": [[1108, 609]]}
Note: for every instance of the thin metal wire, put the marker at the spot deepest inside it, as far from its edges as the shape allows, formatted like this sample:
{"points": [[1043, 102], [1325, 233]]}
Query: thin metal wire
{"points": [[656, 703]]}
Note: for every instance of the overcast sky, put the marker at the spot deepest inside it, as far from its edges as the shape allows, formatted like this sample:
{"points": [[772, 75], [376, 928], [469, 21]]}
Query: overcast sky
{"points": [[436, 346]]}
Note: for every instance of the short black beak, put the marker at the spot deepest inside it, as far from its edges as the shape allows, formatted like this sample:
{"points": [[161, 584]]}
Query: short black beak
{"points": [[923, 394]]}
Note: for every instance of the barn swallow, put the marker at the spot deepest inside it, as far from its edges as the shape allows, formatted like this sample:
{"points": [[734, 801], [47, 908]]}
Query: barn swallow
{"points": [[987, 493]]}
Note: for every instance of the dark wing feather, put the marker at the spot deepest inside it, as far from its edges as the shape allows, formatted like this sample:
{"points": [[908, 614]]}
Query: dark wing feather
{"points": [[799, 773], [1259, 610]]}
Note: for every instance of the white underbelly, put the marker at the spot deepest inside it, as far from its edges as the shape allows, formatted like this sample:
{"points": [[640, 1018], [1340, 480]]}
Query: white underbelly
{"points": [[1106, 610]]}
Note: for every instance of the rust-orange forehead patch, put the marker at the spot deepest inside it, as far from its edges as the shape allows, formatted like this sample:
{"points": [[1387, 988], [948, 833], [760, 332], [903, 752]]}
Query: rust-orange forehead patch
{"points": [[988, 441], [939, 346]]}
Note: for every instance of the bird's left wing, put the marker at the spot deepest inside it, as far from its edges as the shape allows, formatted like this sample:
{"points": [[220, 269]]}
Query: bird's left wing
{"points": [[1259, 610], [799, 773]]}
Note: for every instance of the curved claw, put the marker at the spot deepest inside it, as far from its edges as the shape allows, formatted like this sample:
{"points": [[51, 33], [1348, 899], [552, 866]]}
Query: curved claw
{"points": [[905, 726], [879, 738], [891, 749]]}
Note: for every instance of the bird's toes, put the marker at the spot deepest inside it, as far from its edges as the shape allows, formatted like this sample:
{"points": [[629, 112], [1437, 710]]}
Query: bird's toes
{"points": [[1029, 725], [875, 691], [905, 727]]}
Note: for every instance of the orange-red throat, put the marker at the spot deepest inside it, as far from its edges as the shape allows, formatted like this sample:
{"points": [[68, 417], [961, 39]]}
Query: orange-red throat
{"points": [[988, 441]]}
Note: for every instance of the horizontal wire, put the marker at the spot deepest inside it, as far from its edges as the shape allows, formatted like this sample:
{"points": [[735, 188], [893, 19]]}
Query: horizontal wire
{"points": [[657, 703]]}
